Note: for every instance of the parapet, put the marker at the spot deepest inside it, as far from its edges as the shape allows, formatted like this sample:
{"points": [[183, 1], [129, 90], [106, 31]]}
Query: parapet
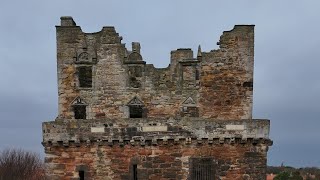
{"points": [[154, 131]]}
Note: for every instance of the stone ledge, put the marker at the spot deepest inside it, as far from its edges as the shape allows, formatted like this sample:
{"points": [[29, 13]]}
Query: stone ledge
{"points": [[159, 142], [153, 130]]}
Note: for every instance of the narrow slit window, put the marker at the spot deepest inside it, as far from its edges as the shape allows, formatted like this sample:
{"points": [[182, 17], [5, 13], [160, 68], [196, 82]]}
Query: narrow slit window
{"points": [[135, 172], [197, 74], [136, 111], [79, 111], [85, 76], [81, 175]]}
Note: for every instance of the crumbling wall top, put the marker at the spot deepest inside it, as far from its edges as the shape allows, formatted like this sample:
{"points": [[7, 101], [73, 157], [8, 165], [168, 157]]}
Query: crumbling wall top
{"points": [[67, 21], [100, 69]]}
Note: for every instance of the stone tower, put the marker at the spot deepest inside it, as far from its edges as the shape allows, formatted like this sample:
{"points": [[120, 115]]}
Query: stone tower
{"points": [[120, 118]]}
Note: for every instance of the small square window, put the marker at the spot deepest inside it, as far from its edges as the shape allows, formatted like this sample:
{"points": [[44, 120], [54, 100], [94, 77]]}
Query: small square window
{"points": [[136, 111], [79, 111]]}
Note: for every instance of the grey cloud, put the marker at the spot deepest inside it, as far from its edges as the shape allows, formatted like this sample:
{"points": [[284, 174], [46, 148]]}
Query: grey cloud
{"points": [[286, 84]]}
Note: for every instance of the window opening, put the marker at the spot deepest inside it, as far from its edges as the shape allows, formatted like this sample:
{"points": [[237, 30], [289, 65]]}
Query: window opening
{"points": [[137, 108], [81, 175], [85, 76], [202, 169], [136, 111], [135, 172], [79, 111], [197, 74]]}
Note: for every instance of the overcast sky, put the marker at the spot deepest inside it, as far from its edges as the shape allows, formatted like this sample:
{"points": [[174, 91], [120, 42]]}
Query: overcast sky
{"points": [[286, 75]]}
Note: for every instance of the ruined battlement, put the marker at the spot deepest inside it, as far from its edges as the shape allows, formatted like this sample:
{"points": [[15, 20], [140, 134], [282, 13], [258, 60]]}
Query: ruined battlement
{"points": [[99, 73]]}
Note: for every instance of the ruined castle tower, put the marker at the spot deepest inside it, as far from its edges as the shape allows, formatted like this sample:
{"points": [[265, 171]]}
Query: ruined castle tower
{"points": [[120, 118]]}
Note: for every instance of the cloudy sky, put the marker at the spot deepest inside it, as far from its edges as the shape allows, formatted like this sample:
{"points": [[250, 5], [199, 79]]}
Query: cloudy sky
{"points": [[287, 64]]}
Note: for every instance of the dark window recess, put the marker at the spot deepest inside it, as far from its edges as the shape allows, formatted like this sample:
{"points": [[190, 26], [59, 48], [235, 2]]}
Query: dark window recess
{"points": [[136, 111], [81, 175], [134, 172], [135, 71], [202, 169], [197, 74], [79, 111], [134, 82], [248, 84], [85, 76], [190, 112]]}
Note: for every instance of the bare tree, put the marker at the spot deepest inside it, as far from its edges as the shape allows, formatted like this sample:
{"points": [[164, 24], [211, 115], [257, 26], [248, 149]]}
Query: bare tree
{"points": [[17, 164]]}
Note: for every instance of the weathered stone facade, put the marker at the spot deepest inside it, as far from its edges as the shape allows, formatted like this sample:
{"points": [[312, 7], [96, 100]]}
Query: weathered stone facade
{"points": [[120, 118]]}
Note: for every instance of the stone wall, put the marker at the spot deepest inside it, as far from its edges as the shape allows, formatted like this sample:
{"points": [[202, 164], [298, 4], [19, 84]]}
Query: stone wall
{"points": [[170, 161], [160, 148], [121, 118], [218, 83], [153, 129]]}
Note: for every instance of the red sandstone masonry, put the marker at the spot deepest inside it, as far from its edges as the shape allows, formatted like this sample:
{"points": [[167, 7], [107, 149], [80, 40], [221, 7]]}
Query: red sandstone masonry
{"points": [[158, 162]]}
